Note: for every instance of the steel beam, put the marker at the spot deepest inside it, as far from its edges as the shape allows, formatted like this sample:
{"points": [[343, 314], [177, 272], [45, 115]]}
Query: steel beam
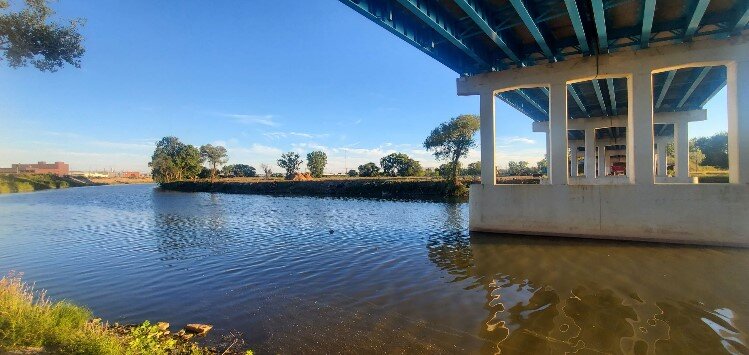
{"points": [[599, 95], [665, 87], [600, 19], [715, 92], [522, 93], [388, 20], [742, 20], [612, 95], [695, 19], [439, 22], [694, 85], [576, 97], [480, 17], [577, 25], [648, 10], [530, 23]]}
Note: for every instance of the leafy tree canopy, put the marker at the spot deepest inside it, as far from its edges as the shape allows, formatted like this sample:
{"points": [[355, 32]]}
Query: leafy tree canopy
{"points": [[173, 160], [316, 162], [399, 164], [29, 37], [473, 169], [451, 140], [243, 170], [290, 162], [215, 156], [369, 170], [353, 173], [715, 149]]}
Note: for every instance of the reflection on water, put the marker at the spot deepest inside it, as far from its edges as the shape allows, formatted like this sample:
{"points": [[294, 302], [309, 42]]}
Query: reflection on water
{"points": [[546, 295], [322, 275]]}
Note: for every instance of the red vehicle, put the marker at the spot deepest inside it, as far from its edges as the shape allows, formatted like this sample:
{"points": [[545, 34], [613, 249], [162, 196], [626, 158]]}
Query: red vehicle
{"points": [[619, 168]]}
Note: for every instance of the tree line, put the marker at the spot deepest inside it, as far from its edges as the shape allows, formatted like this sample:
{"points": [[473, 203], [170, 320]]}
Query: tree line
{"points": [[173, 160]]}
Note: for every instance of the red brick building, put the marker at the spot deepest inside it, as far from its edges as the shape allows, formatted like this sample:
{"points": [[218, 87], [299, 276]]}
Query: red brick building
{"points": [[58, 168]]}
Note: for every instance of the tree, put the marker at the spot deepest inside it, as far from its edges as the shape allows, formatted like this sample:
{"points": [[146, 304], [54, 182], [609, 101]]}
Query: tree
{"points": [[473, 169], [243, 170], [369, 170], [227, 170], [173, 160], [520, 168], [27, 36], [451, 140], [215, 156], [446, 170], [715, 149], [290, 162], [316, 162], [399, 164], [353, 173], [267, 171], [542, 166]]}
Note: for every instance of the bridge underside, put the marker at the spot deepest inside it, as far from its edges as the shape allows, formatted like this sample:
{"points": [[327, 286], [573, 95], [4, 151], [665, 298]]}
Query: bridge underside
{"points": [[612, 83]]}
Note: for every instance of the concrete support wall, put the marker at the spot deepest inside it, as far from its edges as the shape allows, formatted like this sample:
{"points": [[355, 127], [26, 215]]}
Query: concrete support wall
{"points": [[662, 158], [487, 131], [656, 212]]}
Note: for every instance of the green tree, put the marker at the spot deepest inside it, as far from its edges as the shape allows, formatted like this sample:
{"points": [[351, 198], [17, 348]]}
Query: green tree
{"points": [[316, 162], [451, 140], [520, 168], [715, 149], [290, 162], [446, 170], [29, 37], [542, 166], [352, 173], [215, 156], [369, 170], [227, 170], [473, 169], [399, 164], [243, 170], [173, 160]]}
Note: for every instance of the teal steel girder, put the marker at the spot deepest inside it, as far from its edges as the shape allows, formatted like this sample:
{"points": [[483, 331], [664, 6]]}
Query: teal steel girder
{"points": [[698, 11], [478, 14], [696, 82], [434, 18], [665, 87], [530, 23], [648, 12], [577, 25], [599, 16]]}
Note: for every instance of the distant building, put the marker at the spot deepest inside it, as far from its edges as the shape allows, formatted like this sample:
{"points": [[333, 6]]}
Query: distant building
{"points": [[58, 168]]}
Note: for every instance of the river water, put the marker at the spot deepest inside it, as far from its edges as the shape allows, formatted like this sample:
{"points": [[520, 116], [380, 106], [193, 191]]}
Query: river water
{"points": [[303, 274]]}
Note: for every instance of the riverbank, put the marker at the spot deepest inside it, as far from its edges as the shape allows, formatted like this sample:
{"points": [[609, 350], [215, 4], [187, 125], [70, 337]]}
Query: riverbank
{"points": [[30, 323], [359, 187], [12, 183]]}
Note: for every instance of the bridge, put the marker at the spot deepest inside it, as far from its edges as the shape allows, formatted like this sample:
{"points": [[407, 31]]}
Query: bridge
{"points": [[607, 81]]}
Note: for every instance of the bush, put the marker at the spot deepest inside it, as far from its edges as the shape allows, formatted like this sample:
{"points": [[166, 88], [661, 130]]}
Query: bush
{"points": [[353, 173]]}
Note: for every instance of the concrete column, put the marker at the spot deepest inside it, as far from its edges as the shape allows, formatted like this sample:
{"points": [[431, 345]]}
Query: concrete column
{"points": [[488, 170], [640, 129], [738, 122], [558, 133], [590, 153], [662, 159], [601, 160], [573, 160], [681, 150]]}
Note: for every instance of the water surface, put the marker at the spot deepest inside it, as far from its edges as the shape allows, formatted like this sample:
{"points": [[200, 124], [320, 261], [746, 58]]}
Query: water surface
{"points": [[303, 274]]}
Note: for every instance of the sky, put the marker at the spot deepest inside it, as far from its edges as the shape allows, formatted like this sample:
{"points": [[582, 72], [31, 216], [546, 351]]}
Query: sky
{"points": [[258, 77]]}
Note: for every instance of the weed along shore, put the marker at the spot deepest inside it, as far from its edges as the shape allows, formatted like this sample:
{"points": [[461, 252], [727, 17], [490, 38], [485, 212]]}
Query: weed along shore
{"points": [[372, 188], [31, 323]]}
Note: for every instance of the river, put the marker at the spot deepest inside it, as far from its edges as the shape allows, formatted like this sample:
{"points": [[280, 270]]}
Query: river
{"points": [[303, 274]]}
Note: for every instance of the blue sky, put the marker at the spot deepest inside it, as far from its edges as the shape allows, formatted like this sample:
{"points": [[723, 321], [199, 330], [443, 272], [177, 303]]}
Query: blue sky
{"points": [[260, 77]]}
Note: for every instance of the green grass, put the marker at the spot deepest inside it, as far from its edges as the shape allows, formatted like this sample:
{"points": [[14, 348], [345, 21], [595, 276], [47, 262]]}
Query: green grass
{"points": [[10, 183], [28, 319]]}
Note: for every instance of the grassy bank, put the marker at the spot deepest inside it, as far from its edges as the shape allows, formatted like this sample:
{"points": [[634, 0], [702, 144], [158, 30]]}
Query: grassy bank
{"points": [[10, 183], [32, 324], [346, 187]]}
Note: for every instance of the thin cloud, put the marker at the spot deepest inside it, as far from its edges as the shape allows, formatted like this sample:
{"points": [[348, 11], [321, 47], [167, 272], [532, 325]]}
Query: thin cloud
{"points": [[265, 120], [278, 135]]}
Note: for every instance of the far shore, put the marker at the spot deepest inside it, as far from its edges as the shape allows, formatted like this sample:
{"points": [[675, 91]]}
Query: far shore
{"points": [[13, 183]]}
